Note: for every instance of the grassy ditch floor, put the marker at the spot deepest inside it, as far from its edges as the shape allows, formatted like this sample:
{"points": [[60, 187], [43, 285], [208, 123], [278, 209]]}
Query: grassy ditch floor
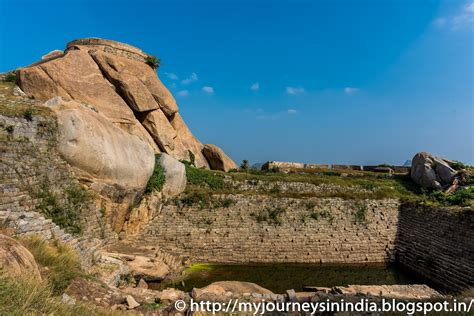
{"points": [[354, 185]]}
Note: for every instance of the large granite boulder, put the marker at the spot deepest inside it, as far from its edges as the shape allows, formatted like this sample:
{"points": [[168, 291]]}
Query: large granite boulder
{"points": [[431, 172], [175, 174], [98, 150], [16, 259], [116, 80], [217, 159]]}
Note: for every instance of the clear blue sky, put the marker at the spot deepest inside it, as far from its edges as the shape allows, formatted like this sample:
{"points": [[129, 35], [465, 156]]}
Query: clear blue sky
{"points": [[314, 81]]}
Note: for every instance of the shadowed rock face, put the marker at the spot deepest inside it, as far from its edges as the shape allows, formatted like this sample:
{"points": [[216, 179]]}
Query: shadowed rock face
{"points": [[116, 81]]}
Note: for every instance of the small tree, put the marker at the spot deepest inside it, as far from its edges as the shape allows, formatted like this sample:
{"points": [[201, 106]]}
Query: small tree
{"points": [[245, 165]]}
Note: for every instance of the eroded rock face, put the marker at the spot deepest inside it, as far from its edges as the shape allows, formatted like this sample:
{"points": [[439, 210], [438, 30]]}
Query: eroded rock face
{"points": [[115, 79], [218, 160], [431, 172], [220, 291], [16, 259]]}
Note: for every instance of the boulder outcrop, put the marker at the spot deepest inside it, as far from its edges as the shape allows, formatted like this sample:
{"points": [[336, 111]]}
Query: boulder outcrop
{"points": [[16, 259], [115, 79], [218, 160], [431, 172], [98, 150]]}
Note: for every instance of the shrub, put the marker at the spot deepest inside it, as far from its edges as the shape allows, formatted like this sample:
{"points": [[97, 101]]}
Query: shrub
{"points": [[192, 158], [10, 76], [65, 214], [244, 166], [360, 215], [10, 129], [62, 262], [204, 177], [201, 199], [157, 179], [457, 165], [152, 61], [271, 216], [28, 114], [461, 197]]}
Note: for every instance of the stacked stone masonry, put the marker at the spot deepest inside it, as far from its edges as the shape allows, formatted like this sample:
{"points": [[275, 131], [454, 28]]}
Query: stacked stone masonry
{"points": [[310, 230], [438, 244]]}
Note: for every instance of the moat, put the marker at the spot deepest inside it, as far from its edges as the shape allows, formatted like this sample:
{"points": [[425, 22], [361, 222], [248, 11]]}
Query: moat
{"points": [[280, 277]]}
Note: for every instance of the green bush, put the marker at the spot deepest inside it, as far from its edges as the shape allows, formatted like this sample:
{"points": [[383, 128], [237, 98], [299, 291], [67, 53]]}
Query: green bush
{"points": [[244, 166], [153, 62], [360, 215], [10, 129], [462, 197], [192, 158], [271, 216], [10, 77], [204, 177], [201, 199], [28, 114], [157, 179]]}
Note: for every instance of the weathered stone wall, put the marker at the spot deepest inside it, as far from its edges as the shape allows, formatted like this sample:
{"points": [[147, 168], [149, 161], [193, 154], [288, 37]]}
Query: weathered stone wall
{"points": [[308, 230], [438, 244], [29, 162]]}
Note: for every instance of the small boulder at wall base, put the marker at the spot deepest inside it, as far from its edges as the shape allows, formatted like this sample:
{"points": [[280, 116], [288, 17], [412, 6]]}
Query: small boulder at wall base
{"points": [[175, 175]]}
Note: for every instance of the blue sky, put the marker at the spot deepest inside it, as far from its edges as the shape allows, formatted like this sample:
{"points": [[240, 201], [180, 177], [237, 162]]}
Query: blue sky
{"points": [[360, 82]]}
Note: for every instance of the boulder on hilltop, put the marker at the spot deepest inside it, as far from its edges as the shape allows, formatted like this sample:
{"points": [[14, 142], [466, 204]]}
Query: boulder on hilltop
{"points": [[431, 172], [116, 80]]}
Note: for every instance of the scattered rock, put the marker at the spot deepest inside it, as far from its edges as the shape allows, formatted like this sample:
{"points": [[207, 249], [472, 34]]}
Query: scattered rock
{"points": [[131, 303], [175, 173], [16, 259], [142, 284], [291, 295], [411, 291], [431, 172], [218, 291], [217, 159], [66, 299], [171, 295], [18, 92]]}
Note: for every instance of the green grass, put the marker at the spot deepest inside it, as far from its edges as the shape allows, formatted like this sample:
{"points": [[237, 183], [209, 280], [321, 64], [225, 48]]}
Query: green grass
{"points": [[372, 186], [360, 215], [23, 296], [11, 105], [60, 260], [212, 179], [157, 179]]}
